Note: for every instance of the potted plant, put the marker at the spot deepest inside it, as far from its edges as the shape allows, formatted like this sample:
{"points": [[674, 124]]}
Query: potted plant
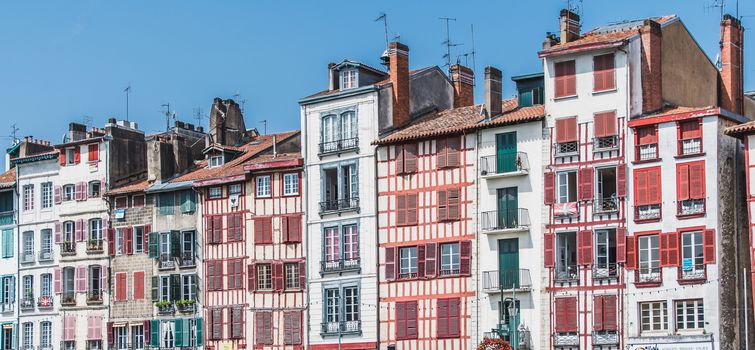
{"points": [[164, 305], [185, 304], [493, 344]]}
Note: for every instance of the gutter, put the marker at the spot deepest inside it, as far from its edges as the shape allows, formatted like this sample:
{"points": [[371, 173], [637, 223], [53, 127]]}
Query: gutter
{"points": [[338, 95]]}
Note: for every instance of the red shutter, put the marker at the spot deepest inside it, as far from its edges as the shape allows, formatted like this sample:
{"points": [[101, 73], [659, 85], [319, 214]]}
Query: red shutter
{"points": [[598, 78], [294, 226], [565, 81], [548, 249], [441, 149], [110, 333], [570, 78], [454, 147], [401, 210], [586, 183], [663, 248], [453, 201], [81, 279], [709, 246], [454, 317], [57, 197], [278, 276], [251, 283], [208, 229], [58, 234], [605, 124], [571, 315], [217, 229], [411, 320], [303, 274], [94, 153], [631, 256], [128, 241], [139, 285], [401, 320], [62, 157], [390, 263], [465, 261], [597, 313], [430, 259], [621, 238], [442, 206], [77, 155], [654, 193], [566, 130], [621, 181], [609, 313], [682, 181], [410, 158], [640, 187], [111, 241], [689, 129], [549, 192], [697, 180], [411, 209], [442, 308], [58, 281], [585, 256], [420, 261], [399, 149]]}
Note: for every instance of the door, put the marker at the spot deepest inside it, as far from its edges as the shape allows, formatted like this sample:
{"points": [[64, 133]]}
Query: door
{"points": [[508, 263], [508, 204], [505, 152]]}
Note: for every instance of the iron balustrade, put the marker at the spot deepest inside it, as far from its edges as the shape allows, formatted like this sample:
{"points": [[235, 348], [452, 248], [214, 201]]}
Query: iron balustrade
{"points": [[342, 327], [605, 337], [647, 152], [504, 163], [690, 146], [341, 145], [566, 148], [647, 212], [45, 302], [606, 143], [67, 248], [696, 272], [516, 218], [564, 339], [506, 279], [165, 261], [340, 265], [187, 260], [94, 296], [604, 270], [45, 255], [691, 206], [647, 274], [27, 303], [95, 246], [28, 257], [338, 205], [567, 273], [606, 205]]}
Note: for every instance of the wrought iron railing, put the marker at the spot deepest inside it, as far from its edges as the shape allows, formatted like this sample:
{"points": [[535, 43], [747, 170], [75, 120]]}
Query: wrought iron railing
{"points": [[95, 246], [605, 337], [507, 279], [45, 255], [337, 205], [606, 205], [694, 272], [165, 308], [600, 270], [504, 163], [566, 148], [691, 206], [567, 273], [94, 296], [646, 274], [339, 145], [165, 261], [516, 218], [341, 327], [67, 248], [647, 152], [690, 146], [26, 303], [187, 260], [606, 143], [566, 339], [647, 212], [340, 265]]}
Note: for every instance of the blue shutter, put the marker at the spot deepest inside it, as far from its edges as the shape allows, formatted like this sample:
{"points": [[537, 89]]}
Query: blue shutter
{"points": [[200, 332], [154, 329], [178, 330]]}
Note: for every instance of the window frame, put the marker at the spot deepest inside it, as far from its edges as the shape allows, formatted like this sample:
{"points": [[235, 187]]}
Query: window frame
{"points": [[606, 71], [445, 270], [661, 313], [565, 73], [263, 186], [681, 138], [46, 194], [411, 269], [290, 188], [698, 315], [654, 264]]}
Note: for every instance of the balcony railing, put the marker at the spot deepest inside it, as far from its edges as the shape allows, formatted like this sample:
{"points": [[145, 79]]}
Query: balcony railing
{"points": [[649, 275], [498, 220], [341, 265], [187, 260], [44, 347], [94, 297], [68, 298], [67, 248], [695, 272], [27, 257], [339, 205], [507, 163], [647, 212], [344, 327], [165, 308], [508, 279], [647, 152], [186, 305], [690, 146], [45, 255], [566, 339], [165, 261], [45, 302], [567, 273], [606, 205], [566, 148], [606, 143], [6, 306], [604, 271], [95, 246], [26, 303], [605, 337], [6, 218], [339, 145], [691, 206]]}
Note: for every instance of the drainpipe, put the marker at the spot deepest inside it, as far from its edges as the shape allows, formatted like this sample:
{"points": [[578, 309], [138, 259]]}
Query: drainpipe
{"points": [[305, 204], [477, 233], [377, 246]]}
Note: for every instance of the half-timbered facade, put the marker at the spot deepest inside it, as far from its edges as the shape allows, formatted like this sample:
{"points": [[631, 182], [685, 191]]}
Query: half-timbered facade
{"points": [[9, 263]]}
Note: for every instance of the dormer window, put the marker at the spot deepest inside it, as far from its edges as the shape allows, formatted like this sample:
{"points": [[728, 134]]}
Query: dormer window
{"points": [[349, 79], [215, 161]]}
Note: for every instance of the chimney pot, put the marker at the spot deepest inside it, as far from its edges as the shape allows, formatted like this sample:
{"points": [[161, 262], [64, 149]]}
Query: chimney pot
{"points": [[398, 63], [569, 26], [493, 91], [463, 81]]}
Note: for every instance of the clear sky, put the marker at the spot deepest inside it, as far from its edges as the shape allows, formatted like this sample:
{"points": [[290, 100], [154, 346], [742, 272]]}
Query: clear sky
{"points": [[63, 60]]}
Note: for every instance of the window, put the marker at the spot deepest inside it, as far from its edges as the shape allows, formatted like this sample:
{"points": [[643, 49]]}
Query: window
{"points": [[653, 316], [338, 132], [69, 192], [68, 231], [95, 230], [28, 246], [121, 202], [189, 287], [605, 130], [263, 186], [263, 230], [71, 156], [137, 201], [566, 80], [27, 294], [448, 205], [187, 202], [406, 209], [215, 192], [690, 188], [646, 139], [264, 276], [94, 189], [45, 284], [350, 244], [341, 314], [406, 320], [448, 318], [647, 193], [290, 184], [408, 262], [166, 332], [214, 275], [449, 259], [448, 150], [349, 79], [351, 309], [93, 152], [121, 338], [187, 248], [28, 338], [119, 237], [46, 195], [28, 197], [567, 187], [605, 253], [215, 161], [292, 327], [166, 203], [69, 274], [164, 285], [8, 246], [45, 334], [216, 324], [7, 293], [332, 310], [235, 231], [340, 189], [690, 137], [693, 256], [235, 274], [165, 243], [137, 337], [689, 314], [566, 256], [138, 239], [607, 194], [567, 136], [649, 259], [292, 275], [406, 158], [237, 322], [264, 327], [291, 228], [46, 244], [603, 73]]}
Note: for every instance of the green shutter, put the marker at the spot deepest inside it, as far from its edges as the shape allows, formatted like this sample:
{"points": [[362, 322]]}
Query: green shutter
{"points": [[166, 203], [178, 330], [15, 336], [200, 332], [155, 294], [7, 243], [13, 289], [153, 245], [175, 287], [175, 243], [154, 331], [188, 204]]}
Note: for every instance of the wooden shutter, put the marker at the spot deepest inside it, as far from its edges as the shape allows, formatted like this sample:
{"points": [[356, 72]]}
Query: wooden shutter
{"points": [[597, 313], [690, 129], [586, 177], [697, 180], [549, 192], [128, 241], [420, 261], [621, 237], [411, 320], [401, 210], [453, 202], [609, 313], [58, 234], [709, 246], [570, 78], [292, 327], [672, 249], [442, 206], [585, 251], [77, 155], [454, 147], [138, 285], [561, 321], [565, 81], [640, 187], [566, 130], [605, 124], [57, 197], [303, 274], [663, 248], [251, 272], [81, 279], [631, 256], [441, 150], [93, 152], [217, 323], [399, 150], [571, 315], [465, 258], [208, 229], [401, 320], [548, 258], [682, 181], [621, 181], [156, 287], [454, 317], [442, 309], [411, 209], [57, 281], [154, 333], [236, 323], [431, 250], [62, 157], [410, 158], [654, 193], [390, 263], [217, 229], [561, 130], [110, 333], [278, 276]]}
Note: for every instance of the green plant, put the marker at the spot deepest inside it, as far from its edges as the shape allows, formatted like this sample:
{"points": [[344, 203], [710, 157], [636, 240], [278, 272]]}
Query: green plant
{"points": [[185, 302], [163, 304]]}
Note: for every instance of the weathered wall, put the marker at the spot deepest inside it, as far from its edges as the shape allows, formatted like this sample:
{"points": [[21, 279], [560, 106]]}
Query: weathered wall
{"points": [[689, 78], [127, 155]]}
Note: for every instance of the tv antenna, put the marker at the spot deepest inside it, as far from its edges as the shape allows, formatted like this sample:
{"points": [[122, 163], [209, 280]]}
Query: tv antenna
{"points": [[198, 115], [127, 90], [264, 125], [448, 43], [720, 5], [166, 112], [574, 6], [14, 133], [383, 17], [87, 120], [474, 52], [240, 101]]}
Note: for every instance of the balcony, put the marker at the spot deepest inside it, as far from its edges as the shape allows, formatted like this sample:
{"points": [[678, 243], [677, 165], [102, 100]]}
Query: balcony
{"points": [[165, 307], [600, 271], [187, 260], [67, 248], [691, 207], [517, 339], [186, 305], [692, 273], [45, 302], [506, 280], [94, 297], [648, 275], [566, 339], [505, 165], [606, 205], [68, 298], [26, 303], [514, 220], [45, 255], [95, 246], [692, 146], [606, 143], [339, 146], [339, 205], [339, 266], [647, 212], [27, 257], [605, 337], [165, 262], [565, 149], [6, 218], [347, 327], [647, 152], [567, 273]]}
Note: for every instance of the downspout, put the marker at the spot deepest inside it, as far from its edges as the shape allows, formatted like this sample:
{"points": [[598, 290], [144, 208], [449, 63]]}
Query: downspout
{"points": [[305, 204], [377, 247], [477, 232]]}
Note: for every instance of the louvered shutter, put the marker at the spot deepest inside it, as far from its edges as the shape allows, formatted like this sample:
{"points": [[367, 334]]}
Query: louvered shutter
{"points": [[442, 309], [549, 192], [62, 157], [77, 155], [278, 276], [571, 315], [621, 181], [57, 283], [465, 258], [111, 242], [401, 320], [411, 320], [631, 256], [453, 202], [138, 285], [654, 194], [154, 334], [155, 289], [178, 331], [401, 210], [709, 246], [454, 315], [110, 333], [200, 331], [411, 209], [431, 250], [548, 258], [153, 251], [303, 274], [441, 150], [399, 149], [420, 261], [571, 78], [104, 276], [663, 248], [128, 241], [236, 323], [390, 263], [697, 180], [217, 323], [621, 237], [454, 149], [208, 229], [640, 187], [175, 243], [586, 247], [609, 313], [672, 248], [410, 158], [251, 283], [81, 279], [682, 182], [58, 234], [560, 321], [597, 313], [217, 229], [442, 206], [57, 196], [586, 177]]}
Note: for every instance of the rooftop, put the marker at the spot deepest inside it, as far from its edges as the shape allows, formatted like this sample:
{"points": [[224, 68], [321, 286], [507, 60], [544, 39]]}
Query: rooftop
{"points": [[8, 179]]}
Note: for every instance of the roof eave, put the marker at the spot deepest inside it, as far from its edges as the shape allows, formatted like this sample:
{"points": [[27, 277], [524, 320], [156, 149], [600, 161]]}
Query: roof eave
{"points": [[337, 95]]}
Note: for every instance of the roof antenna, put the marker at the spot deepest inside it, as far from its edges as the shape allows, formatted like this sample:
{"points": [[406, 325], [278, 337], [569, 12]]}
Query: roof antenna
{"points": [[448, 43], [574, 6], [127, 90], [264, 125], [166, 111], [720, 5], [87, 120], [198, 115], [14, 133], [384, 18], [474, 52]]}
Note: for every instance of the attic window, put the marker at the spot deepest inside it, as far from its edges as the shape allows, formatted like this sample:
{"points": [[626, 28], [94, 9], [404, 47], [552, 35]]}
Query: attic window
{"points": [[348, 79], [215, 161]]}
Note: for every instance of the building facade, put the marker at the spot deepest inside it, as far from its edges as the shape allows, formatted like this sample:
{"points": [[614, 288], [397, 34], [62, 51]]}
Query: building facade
{"points": [[9, 263]]}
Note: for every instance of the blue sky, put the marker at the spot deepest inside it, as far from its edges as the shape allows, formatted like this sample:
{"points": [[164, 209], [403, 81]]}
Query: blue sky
{"points": [[63, 60]]}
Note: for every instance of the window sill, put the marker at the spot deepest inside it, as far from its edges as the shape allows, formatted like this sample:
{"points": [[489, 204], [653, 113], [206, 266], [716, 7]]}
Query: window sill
{"points": [[691, 155], [690, 216], [290, 195], [647, 284], [562, 98], [646, 161], [701, 280], [606, 91], [448, 336], [647, 221]]}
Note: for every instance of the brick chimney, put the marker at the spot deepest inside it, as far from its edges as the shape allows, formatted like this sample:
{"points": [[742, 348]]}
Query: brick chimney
{"points": [[333, 80], [652, 94], [569, 26], [398, 64], [493, 91], [463, 80], [731, 87]]}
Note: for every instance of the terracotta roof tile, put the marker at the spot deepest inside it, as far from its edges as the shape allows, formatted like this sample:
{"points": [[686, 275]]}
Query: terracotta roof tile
{"points": [[8, 178], [138, 186], [741, 129]]}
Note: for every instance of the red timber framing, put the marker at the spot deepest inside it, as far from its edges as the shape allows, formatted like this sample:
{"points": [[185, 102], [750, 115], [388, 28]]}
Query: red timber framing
{"points": [[424, 207], [750, 169], [584, 293]]}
